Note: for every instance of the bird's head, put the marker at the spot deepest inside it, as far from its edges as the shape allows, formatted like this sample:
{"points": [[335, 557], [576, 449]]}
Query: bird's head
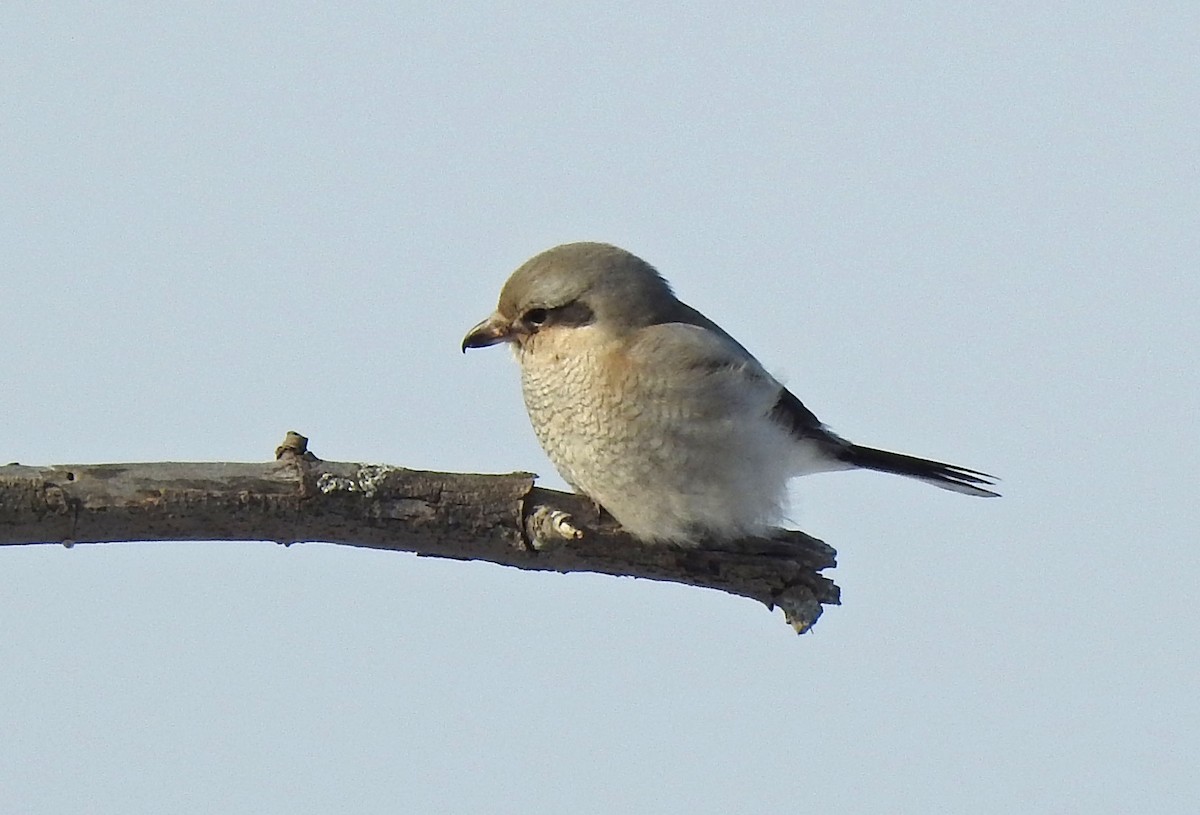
{"points": [[572, 286]]}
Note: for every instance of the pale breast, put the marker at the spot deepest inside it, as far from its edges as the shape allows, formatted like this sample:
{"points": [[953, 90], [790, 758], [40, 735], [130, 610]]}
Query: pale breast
{"points": [[668, 457], [578, 419]]}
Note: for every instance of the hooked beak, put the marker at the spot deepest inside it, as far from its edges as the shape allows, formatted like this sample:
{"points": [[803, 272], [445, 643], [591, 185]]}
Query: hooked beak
{"points": [[491, 331]]}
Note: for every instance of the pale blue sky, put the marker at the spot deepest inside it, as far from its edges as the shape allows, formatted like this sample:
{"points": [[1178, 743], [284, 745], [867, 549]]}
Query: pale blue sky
{"points": [[962, 232]]}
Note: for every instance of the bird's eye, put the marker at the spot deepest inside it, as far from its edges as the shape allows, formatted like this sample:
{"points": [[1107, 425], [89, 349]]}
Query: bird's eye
{"points": [[536, 317]]}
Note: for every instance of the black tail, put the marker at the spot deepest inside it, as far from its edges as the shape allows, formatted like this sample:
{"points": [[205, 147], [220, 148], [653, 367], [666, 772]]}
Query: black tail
{"points": [[946, 476]]}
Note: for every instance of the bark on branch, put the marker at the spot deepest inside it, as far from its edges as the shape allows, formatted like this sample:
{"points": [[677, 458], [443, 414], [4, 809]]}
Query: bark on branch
{"points": [[502, 519]]}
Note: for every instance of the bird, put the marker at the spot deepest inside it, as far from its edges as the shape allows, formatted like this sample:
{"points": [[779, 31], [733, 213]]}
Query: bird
{"points": [[656, 413]]}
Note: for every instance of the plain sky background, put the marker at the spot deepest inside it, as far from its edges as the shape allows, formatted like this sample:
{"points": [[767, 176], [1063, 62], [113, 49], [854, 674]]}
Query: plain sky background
{"points": [[966, 232]]}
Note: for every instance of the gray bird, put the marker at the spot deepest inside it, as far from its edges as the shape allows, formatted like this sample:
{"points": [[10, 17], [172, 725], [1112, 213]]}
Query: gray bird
{"points": [[655, 413]]}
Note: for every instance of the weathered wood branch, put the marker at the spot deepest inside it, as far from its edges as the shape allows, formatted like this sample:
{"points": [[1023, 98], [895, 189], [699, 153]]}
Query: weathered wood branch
{"points": [[502, 519]]}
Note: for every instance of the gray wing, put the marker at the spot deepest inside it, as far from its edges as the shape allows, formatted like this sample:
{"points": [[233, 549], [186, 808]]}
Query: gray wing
{"points": [[788, 410], [711, 346]]}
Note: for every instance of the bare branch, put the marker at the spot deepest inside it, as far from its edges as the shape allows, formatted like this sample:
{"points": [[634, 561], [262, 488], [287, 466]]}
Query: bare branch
{"points": [[502, 519]]}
